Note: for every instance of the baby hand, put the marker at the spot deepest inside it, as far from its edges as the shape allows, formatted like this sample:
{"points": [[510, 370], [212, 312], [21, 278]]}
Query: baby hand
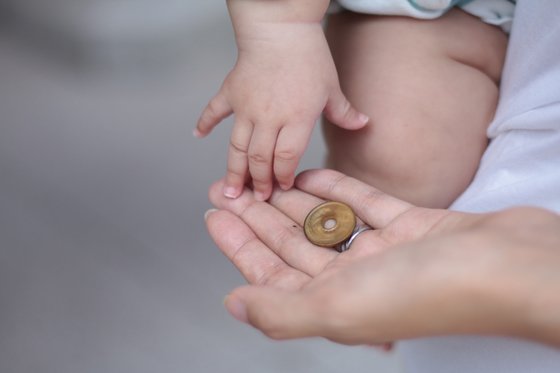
{"points": [[283, 80]]}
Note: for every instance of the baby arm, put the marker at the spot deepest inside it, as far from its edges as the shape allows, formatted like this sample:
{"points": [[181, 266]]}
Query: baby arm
{"points": [[284, 78]]}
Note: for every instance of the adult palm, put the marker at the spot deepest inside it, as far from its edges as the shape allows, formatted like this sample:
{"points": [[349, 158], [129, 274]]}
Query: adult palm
{"points": [[420, 272]]}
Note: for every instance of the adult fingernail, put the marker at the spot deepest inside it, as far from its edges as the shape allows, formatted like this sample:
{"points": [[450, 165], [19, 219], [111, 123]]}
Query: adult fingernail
{"points": [[236, 308], [196, 133], [207, 213], [231, 192]]}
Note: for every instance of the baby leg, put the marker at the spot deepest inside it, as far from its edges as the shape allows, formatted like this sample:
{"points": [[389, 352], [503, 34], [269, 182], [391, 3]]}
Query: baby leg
{"points": [[430, 89]]}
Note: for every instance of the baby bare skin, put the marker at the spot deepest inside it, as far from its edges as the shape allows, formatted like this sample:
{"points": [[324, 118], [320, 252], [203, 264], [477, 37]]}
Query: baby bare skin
{"points": [[430, 89], [283, 80], [425, 92]]}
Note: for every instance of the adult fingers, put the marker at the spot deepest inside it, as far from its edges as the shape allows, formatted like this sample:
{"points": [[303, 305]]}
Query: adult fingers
{"points": [[373, 206], [217, 109], [261, 150], [290, 145], [278, 232], [294, 203], [258, 264], [339, 111], [400, 221], [238, 164]]}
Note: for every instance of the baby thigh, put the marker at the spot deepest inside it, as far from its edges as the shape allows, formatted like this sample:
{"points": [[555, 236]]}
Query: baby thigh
{"points": [[430, 89]]}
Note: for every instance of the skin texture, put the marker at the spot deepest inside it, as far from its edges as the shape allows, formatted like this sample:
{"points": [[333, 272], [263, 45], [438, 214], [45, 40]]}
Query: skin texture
{"points": [[430, 89], [282, 82], [421, 272]]}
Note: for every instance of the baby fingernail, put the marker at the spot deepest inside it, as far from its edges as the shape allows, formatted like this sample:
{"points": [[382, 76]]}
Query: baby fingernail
{"points": [[363, 118], [196, 133], [230, 192], [236, 308], [260, 196], [286, 186]]}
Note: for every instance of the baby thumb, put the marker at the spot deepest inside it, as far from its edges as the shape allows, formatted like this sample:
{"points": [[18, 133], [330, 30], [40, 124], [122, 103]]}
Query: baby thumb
{"points": [[340, 111], [277, 313]]}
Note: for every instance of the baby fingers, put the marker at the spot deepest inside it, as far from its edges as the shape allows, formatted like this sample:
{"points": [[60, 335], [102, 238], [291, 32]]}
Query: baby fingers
{"points": [[291, 143], [217, 109], [260, 157], [238, 164]]}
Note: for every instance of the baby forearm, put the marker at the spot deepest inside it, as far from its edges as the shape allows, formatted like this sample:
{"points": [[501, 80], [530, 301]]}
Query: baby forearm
{"points": [[277, 27], [291, 11], [273, 22]]}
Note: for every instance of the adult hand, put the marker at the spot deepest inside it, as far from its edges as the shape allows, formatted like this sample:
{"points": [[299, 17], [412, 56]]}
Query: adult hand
{"points": [[422, 272]]}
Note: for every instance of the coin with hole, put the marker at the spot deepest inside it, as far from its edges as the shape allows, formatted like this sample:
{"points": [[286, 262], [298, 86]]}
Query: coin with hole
{"points": [[329, 224]]}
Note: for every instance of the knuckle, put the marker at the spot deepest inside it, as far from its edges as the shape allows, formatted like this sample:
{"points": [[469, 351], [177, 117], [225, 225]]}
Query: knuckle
{"points": [[258, 158], [282, 239], [245, 213], [242, 249], [287, 155], [212, 109], [268, 276], [238, 147], [335, 182], [370, 198]]}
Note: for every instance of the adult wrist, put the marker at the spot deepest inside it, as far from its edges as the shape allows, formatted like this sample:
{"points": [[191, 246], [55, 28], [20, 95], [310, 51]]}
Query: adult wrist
{"points": [[543, 310], [526, 275]]}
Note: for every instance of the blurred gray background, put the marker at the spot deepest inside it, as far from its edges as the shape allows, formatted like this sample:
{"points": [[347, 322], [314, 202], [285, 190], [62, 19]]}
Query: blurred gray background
{"points": [[105, 263]]}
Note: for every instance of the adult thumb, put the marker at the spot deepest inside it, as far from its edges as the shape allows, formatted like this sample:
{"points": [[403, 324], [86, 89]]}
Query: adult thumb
{"points": [[279, 314], [340, 112]]}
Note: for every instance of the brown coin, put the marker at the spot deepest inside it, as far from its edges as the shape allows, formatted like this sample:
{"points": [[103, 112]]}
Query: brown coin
{"points": [[329, 224]]}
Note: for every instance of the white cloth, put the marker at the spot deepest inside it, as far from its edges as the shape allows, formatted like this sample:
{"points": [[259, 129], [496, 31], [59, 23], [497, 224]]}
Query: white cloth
{"points": [[494, 12], [434, 9], [520, 167]]}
